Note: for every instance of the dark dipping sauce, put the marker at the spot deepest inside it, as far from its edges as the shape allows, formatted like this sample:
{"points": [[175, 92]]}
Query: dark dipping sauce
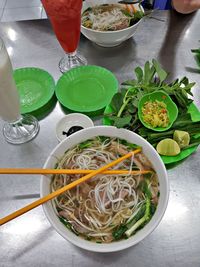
{"points": [[72, 130]]}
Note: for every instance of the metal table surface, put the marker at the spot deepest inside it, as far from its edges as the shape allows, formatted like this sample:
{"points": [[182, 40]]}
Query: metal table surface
{"points": [[30, 240]]}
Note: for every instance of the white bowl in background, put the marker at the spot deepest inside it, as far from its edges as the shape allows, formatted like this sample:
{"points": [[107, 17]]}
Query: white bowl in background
{"points": [[108, 38], [148, 150]]}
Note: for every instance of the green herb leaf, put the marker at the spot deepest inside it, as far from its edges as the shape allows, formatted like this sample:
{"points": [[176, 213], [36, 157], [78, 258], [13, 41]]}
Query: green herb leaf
{"points": [[149, 79], [117, 101], [139, 74], [132, 108], [130, 83], [147, 72], [195, 51], [121, 122], [162, 74]]}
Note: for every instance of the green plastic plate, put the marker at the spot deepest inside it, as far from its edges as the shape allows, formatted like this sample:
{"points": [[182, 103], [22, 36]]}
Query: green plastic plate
{"points": [[35, 86], [86, 88], [195, 114]]}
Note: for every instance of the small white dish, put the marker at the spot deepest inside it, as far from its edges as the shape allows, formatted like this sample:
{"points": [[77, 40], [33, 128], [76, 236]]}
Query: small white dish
{"points": [[70, 120]]}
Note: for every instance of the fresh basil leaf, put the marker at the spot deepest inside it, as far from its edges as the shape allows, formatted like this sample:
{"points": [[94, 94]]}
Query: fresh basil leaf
{"points": [[174, 82], [121, 122], [197, 58], [139, 95], [130, 82], [162, 74], [135, 102], [139, 74], [152, 73], [184, 81], [131, 108], [117, 101], [149, 72], [146, 72]]}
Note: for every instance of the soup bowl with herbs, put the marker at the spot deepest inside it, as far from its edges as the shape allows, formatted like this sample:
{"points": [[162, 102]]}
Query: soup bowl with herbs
{"points": [[111, 211], [108, 23]]}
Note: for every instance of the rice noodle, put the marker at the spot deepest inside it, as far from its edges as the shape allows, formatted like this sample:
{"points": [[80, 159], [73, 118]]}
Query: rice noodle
{"points": [[97, 207], [105, 18]]}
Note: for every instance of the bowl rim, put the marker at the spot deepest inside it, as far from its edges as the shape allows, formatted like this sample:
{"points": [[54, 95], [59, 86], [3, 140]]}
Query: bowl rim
{"points": [[112, 32], [122, 244], [172, 103]]}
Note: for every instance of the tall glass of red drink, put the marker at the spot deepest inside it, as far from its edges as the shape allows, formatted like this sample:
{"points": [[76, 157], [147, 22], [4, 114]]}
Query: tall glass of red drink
{"points": [[65, 17]]}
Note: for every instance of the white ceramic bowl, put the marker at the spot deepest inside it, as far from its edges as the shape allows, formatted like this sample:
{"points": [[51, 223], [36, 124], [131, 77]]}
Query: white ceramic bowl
{"points": [[148, 150], [107, 38], [72, 119]]}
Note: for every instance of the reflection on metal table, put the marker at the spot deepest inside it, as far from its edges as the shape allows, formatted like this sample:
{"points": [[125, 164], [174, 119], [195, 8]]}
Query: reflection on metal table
{"points": [[30, 240]]}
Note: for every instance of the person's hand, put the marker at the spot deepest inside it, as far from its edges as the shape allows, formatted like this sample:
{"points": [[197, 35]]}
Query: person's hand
{"points": [[186, 6]]}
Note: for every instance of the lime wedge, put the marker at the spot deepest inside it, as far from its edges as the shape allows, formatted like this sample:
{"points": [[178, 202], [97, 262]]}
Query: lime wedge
{"points": [[168, 147], [182, 138]]}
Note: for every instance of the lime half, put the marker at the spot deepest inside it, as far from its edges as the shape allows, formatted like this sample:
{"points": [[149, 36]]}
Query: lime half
{"points": [[168, 147], [182, 138]]}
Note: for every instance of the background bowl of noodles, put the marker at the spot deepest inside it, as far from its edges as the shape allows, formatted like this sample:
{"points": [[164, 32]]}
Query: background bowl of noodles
{"points": [[111, 132], [108, 38]]}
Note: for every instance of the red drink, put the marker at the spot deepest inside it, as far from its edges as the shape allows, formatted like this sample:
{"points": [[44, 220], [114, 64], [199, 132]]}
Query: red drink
{"points": [[65, 16]]}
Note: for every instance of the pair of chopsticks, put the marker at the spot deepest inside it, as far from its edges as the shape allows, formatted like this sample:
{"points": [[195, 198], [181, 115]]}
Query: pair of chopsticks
{"points": [[90, 174]]}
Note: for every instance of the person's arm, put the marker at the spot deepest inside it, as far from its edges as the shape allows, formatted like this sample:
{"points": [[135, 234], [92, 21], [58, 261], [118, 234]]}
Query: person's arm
{"points": [[186, 6]]}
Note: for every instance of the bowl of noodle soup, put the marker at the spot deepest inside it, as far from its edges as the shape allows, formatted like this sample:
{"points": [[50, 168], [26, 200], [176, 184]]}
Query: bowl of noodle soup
{"points": [[112, 26], [109, 212]]}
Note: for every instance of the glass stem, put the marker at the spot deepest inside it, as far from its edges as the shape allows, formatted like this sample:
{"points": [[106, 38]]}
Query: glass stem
{"points": [[72, 54], [71, 60]]}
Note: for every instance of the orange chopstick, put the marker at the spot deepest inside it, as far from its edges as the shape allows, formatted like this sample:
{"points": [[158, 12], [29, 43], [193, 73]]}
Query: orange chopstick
{"points": [[67, 171], [65, 188]]}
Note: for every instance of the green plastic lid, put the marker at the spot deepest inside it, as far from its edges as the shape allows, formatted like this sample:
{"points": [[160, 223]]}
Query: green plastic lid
{"points": [[86, 88], [35, 86]]}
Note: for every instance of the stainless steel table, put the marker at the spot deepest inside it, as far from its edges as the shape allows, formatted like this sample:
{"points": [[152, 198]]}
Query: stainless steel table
{"points": [[30, 240]]}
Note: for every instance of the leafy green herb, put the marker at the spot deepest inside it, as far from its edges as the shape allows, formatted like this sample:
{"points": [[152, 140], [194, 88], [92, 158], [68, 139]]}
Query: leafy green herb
{"points": [[85, 144], [121, 122], [68, 225], [153, 209], [149, 79], [197, 55], [136, 17], [141, 221], [144, 187], [117, 234], [126, 143], [183, 123], [117, 101]]}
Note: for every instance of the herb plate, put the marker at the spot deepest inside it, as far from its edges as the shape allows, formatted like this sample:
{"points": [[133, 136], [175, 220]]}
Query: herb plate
{"points": [[195, 114]]}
